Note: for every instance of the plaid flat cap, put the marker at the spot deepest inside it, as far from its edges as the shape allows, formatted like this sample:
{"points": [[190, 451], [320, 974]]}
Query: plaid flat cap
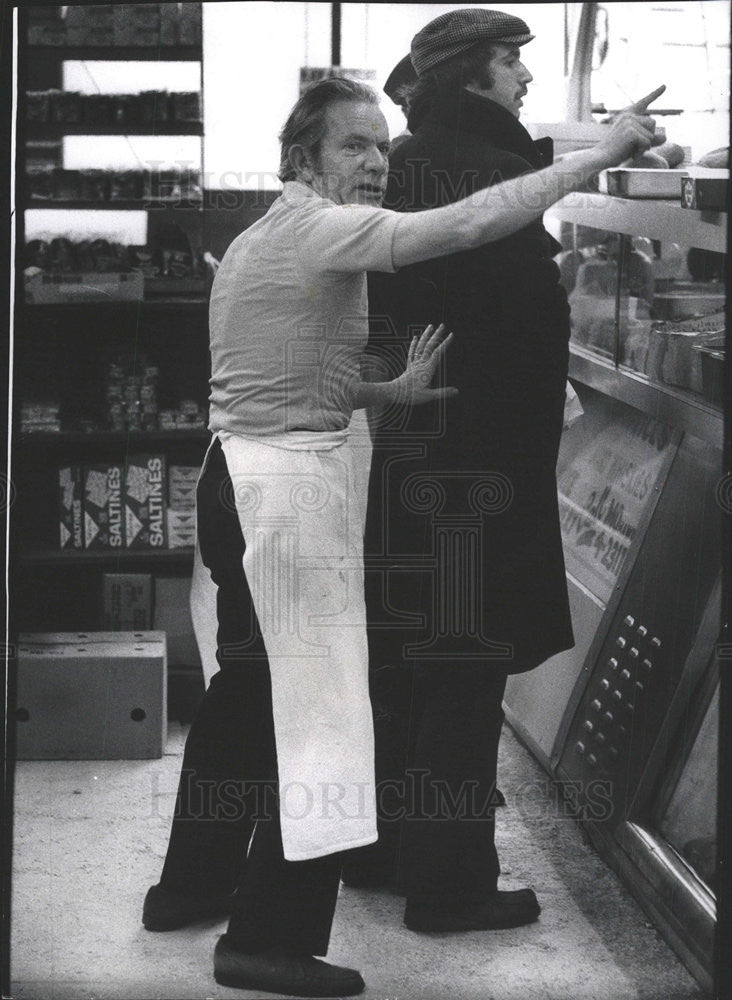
{"points": [[458, 30], [402, 74]]}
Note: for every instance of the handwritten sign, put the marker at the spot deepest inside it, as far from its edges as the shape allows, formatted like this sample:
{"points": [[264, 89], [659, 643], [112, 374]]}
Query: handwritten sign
{"points": [[604, 492]]}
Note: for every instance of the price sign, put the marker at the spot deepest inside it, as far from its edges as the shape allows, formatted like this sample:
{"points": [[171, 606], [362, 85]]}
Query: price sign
{"points": [[604, 491]]}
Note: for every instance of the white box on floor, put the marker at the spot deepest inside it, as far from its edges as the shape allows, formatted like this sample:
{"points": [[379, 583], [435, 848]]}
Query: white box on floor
{"points": [[91, 695]]}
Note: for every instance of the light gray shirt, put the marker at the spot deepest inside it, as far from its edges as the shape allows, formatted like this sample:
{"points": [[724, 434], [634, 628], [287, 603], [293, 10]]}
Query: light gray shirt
{"points": [[289, 314]]}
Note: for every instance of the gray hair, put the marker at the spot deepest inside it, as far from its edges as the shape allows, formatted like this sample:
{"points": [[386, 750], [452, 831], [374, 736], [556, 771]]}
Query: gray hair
{"points": [[305, 125]]}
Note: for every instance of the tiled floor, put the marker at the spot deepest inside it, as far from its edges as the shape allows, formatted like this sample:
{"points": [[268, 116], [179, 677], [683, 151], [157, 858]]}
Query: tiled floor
{"points": [[90, 838]]}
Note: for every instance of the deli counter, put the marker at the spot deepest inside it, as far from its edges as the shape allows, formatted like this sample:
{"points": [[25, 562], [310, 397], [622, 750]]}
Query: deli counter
{"points": [[626, 721]]}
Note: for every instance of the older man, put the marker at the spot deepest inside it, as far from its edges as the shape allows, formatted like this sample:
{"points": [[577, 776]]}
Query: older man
{"points": [[280, 755], [466, 581]]}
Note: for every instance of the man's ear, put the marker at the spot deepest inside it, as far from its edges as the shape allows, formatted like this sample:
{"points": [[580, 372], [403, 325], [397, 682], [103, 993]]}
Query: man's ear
{"points": [[301, 163]]}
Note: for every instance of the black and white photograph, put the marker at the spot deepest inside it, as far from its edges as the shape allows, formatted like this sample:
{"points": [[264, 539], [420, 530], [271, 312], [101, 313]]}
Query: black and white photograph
{"points": [[367, 501]]}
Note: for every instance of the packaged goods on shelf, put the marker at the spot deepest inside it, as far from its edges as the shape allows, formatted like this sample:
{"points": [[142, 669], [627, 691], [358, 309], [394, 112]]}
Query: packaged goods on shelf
{"points": [[145, 490], [137, 24], [127, 601], [182, 483], [182, 496], [189, 25], [71, 515], [40, 416], [186, 106], [674, 356], [104, 521], [92, 695], [189, 415], [38, 105], [181, 528], [169, 20], [94, 185], [127, 185], [95, 287], [131, 394], [46, 26], [175, 184], [97, 109], [151, 106], [65, 107], [89, 25], [40, 183], [66, 184]]}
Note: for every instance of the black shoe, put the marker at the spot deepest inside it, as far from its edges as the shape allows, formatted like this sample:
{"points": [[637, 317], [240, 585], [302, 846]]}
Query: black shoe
{"points": [[498, 911], [167, 910], [279, 970], [498, 798]]}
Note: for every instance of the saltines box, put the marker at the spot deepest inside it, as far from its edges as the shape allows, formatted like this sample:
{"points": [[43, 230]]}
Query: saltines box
{"points": [[145, 499], [104, 526], [70, 508]]}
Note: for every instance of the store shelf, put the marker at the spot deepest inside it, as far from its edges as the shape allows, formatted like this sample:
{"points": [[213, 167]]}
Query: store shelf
{"points": [[51, 130], [661, 402], [656, 219], [161, 303], [132, 204], [139, 439], [122, 53], [124, 557]]}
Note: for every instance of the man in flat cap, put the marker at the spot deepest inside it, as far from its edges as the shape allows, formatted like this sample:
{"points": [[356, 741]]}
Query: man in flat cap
{"points": [[465, 571]]}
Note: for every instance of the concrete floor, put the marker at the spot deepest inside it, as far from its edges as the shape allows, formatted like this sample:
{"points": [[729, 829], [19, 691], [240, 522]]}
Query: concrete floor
{"points": [[90, 837]]}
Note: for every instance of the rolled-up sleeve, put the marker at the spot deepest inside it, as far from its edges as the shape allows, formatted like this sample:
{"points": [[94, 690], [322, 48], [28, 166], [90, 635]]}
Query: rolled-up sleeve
{"points": [[346, 238]]}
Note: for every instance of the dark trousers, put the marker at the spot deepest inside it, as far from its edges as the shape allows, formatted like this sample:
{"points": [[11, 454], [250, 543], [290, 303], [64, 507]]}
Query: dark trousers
{"points": [[226, 829], [444, 723]]}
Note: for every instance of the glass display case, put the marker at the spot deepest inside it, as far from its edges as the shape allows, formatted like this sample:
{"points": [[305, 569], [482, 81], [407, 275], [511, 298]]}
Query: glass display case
{"points": [[634, 705], [645, 280]]}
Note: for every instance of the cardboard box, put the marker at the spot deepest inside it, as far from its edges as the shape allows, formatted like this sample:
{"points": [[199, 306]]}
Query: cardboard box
{"points": [[182, 497], [127, 601], [173, 616], [182, 484], [180, 475], [144, 502], [71, 515], [104, 523], [707, 193], [91, 696], [181, 528]]}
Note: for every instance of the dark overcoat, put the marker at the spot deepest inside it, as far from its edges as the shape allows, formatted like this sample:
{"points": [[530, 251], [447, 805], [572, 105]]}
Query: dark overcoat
{"points": [[463, 546]]}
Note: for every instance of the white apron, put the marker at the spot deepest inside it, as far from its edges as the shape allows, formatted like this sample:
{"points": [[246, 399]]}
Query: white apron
{"points": [[300, 516]]}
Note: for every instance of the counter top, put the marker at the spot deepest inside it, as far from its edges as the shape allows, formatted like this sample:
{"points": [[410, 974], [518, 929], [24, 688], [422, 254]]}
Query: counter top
{"points": [[655, 218]]}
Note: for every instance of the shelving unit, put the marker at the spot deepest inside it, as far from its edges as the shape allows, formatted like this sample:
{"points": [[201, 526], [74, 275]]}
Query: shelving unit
{"points": [[62, 351], [54, 130], [121, 53]]}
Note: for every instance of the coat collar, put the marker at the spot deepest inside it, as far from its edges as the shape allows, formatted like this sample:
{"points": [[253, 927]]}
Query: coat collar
{"points": [[461, 110]]}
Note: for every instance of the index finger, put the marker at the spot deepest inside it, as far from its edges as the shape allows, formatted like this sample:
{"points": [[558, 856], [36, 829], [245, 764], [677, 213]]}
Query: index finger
{"points": [[640, 106]]}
